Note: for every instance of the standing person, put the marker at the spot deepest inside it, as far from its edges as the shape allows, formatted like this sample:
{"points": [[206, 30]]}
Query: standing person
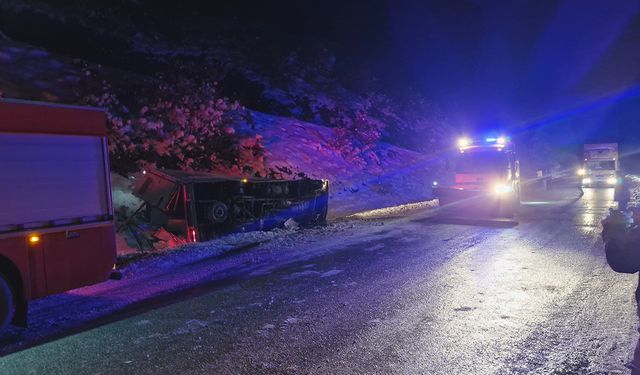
{"points": [[622, 193], [580, 188], [622, 249]]}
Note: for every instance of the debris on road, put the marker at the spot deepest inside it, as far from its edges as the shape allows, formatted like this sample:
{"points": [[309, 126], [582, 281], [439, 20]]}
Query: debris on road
{"points": [[291, 224]]}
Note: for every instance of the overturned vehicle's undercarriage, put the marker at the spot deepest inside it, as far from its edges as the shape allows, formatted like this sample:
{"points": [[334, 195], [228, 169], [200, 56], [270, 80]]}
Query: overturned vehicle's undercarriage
{"points": [[200, 205]]}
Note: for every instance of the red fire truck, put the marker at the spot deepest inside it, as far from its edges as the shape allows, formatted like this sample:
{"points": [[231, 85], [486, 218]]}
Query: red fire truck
{"points": [[56, 220]]}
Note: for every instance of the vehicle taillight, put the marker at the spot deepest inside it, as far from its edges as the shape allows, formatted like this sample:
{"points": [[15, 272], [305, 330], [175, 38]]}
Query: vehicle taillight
{"points": [[193, 235]]}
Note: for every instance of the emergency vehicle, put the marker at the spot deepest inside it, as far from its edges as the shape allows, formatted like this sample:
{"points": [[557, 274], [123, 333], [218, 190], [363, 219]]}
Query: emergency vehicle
{"points": [[56, 221], [486, 178]]}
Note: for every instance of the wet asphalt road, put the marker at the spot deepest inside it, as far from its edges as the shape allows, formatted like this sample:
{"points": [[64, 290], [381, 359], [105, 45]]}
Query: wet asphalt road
{"points": [[412, 296]]}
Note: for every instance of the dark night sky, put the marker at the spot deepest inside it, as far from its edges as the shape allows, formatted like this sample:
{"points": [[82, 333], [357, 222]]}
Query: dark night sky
{"points": [[562, 66], [499, 63]]}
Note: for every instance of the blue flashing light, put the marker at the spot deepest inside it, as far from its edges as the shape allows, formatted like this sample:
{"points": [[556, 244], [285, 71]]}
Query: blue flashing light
{"points": [[499, 140]]}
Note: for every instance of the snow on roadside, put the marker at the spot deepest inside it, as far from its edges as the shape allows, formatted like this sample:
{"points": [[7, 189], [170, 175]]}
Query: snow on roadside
{"points": [[401, 176], [402, 209]]}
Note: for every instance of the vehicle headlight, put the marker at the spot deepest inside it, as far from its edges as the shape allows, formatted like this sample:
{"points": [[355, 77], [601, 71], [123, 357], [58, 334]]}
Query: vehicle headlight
{"points": [[434, 184], [502, 189], [582, 172], [464, 142], [612, 181], [586, 181]]}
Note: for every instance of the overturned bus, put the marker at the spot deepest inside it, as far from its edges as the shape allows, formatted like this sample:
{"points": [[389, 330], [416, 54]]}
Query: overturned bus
{"points": [[201, 205]]}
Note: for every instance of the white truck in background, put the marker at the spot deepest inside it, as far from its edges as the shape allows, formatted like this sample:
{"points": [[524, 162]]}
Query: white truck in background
{"points": [[601, 165]]}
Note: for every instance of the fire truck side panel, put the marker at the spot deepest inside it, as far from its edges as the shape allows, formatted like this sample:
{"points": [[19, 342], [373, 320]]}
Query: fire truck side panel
{"points": [[56, 228], [51, 177], [77, 257]]}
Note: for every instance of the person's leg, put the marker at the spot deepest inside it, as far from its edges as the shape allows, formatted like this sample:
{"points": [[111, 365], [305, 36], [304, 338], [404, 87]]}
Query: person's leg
{"points": [[622, 205], [635, 363]]}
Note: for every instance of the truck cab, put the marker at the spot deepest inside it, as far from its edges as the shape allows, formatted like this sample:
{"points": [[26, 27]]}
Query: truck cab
{"points": [[486, 178], [601, 165]]}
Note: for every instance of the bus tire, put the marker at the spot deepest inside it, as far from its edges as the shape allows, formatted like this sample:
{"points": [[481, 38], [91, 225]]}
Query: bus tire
{"points": [[7, 304]]}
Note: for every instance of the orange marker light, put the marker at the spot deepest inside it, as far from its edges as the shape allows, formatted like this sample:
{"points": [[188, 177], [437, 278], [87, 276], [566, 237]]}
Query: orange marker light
{"points": [[244, 180], [34, 239]]}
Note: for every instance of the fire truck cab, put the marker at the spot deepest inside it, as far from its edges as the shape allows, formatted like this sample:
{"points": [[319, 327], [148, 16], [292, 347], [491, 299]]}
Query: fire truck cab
{"points": [[487, 178]]}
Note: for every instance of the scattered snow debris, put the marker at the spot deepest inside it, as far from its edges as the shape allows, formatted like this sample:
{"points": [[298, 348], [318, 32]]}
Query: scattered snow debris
{"points": [[262, 272], [124, 248], [191, 326], [395, 210], [167, 240], [376, 247], [296, 275], [143, 322], [196, 322], [121, 191], [331, 273], [268, 326], [292, 320], [291, 224]]}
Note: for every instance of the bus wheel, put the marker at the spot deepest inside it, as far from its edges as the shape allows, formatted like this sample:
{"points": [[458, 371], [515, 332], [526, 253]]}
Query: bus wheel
{"points": [[7, 303]]}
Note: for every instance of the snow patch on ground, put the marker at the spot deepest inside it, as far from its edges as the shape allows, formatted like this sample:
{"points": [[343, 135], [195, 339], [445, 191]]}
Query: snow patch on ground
{"points": [[377, 247], [331, 273], [401, 176], [292, 320], [399, 210], [296, 275]]}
